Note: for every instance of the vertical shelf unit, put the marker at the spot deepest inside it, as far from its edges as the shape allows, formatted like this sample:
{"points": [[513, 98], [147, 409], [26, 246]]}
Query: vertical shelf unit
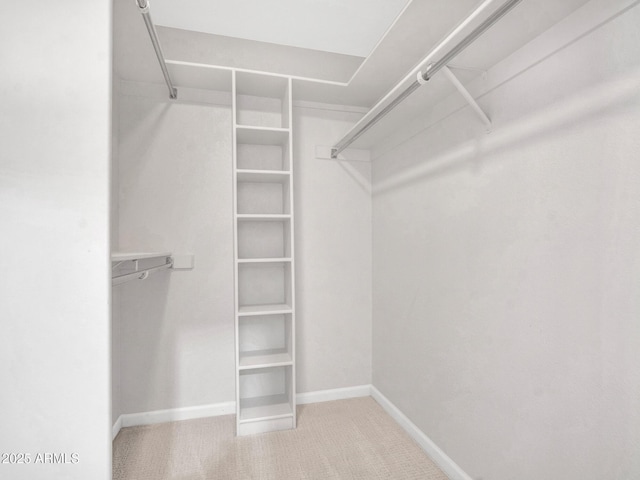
{"points": [[264, 254]]}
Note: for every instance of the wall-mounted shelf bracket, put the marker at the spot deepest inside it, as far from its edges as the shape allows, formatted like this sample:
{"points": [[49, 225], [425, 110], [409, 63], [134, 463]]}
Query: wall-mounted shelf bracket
{"points": [[467, 96], [120, 259], [481, 71]]}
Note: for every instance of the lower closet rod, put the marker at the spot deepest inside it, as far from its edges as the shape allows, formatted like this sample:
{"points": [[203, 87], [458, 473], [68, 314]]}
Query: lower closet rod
{"points": [[143, 5], [141, 275]]}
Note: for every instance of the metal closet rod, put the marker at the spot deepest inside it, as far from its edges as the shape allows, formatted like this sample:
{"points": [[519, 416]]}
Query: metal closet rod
{"points": [[143, 5], [140, 274], [430, 71]]}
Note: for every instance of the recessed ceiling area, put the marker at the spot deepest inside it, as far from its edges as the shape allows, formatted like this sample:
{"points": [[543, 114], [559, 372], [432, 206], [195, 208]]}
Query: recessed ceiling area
{"points": [[195, 58], [349, 27]]}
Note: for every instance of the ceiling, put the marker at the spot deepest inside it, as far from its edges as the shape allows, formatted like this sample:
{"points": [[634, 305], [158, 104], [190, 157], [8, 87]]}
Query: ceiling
{"points": [[349, 27]]}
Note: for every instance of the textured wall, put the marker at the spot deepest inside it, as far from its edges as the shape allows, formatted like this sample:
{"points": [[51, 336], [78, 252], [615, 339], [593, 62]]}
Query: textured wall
{"points": [[175, 195], [333, 252], [506, 272]]}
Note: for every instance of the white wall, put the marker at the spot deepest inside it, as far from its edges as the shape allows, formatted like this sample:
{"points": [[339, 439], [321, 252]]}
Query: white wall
{"points": [[116, 321], [175, 195], [54, 204], [333, 256], [177, 329], [506, 291]]}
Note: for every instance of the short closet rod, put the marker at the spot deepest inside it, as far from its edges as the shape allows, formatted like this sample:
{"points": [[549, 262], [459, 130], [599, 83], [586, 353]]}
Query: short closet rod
{"points": [[143, 5], [430, 71], [141, 274]]}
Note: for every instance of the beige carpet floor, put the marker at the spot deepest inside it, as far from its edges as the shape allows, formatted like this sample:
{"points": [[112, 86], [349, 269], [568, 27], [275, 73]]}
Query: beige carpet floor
{"points": [[344, 439]]}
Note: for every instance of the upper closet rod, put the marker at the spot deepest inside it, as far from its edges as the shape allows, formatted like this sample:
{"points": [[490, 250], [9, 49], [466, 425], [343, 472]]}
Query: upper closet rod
{"points": [[431, 70], [143, 5]]}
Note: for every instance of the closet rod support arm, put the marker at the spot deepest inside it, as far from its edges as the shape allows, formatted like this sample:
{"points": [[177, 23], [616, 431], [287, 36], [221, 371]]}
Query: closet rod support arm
{"points": [[467, 96]]}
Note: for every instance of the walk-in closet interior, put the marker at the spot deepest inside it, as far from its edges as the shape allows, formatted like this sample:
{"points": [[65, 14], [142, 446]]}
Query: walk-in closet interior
{"points": [[310, 239]]}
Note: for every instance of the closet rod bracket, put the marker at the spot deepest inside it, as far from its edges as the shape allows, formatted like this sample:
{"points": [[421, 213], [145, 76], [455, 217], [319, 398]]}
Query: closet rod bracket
{"points": [[141, 274], [468, 97]]}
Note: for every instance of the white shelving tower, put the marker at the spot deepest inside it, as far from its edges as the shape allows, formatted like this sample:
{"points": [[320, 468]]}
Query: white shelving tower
{"points": [[264, 253]]}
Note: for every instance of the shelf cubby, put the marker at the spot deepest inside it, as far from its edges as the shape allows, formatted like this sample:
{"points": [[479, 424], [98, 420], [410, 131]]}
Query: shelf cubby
{"points": [[266, 399], [265, 341], [265, 407], [262, 149], [263, 198], [264, 239], [262, 100], [267, 283]]}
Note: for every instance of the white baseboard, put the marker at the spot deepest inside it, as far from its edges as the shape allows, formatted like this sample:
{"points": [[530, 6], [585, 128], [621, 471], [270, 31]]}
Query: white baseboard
{"points": [[116, 427], [333, 394], [448, 466], [228, 408], [173, 415]]}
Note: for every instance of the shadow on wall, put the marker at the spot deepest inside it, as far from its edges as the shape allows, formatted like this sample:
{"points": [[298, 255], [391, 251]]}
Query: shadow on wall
{"points": [[149, 340], [358, 171], [140, 137], [591, 105]]}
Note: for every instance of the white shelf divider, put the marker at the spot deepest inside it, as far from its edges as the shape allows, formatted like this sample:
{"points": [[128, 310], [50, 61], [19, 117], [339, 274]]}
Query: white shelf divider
{"points": [[245, 217], [275, 309], [265, 408], [264, 260], [261, 135], [275, 357]]}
